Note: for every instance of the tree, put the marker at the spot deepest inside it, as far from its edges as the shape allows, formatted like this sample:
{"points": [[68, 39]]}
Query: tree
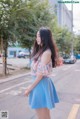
{"points": [[19, 21], [77, 44], [36, 15], [62, 37], [8, 25]]}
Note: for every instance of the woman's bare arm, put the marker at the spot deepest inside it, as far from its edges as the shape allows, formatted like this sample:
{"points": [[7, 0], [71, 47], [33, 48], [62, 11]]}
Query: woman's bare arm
{"points": [[46, 57]]}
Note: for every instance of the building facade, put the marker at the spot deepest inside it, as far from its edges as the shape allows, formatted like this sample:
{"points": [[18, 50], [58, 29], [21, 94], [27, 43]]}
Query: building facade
{"points": [[14, 51], [64, 16]]}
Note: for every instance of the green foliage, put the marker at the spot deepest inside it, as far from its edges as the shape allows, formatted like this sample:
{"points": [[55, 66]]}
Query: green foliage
{"points": [[7, 19], [63, 38], [38, 15], [21, 19], [77, 44]]}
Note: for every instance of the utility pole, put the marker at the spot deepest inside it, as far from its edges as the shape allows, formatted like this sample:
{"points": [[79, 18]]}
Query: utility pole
{"points": [[72, 29]]}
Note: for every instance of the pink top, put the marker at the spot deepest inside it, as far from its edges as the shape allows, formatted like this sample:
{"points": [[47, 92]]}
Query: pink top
{"points": [[39, 68]]}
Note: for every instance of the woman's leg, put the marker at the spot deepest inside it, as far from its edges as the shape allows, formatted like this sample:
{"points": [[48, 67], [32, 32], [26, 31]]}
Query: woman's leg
{"points": [[43, 113]]}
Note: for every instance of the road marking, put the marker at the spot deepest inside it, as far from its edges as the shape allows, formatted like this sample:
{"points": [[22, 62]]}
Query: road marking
{"points": [[22, 88], [16, 92], [13, 92], [77, 69], [2, 91], [53, 75], [73, 112]]}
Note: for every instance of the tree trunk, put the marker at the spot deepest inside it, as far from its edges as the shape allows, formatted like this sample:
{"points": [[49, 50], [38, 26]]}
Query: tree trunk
{"points": [[5, 62], [30, 56], [4, 56]]}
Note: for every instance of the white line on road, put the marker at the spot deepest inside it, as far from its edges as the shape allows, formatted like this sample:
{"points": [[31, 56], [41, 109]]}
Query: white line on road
{"points": [[77, 69], [53, 75], [14, 92], [2, 91], [22, 88]]}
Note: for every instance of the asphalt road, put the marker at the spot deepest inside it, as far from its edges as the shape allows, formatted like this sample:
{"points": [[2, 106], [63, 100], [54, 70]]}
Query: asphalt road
{"points": [[67, 82]]}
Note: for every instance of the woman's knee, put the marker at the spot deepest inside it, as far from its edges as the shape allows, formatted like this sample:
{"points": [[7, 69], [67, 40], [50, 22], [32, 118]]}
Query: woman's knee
{"points": [[43, 113]]}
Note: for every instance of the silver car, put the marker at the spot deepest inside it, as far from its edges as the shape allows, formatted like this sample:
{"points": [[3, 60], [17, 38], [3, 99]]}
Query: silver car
{"points": [[70, 60]]}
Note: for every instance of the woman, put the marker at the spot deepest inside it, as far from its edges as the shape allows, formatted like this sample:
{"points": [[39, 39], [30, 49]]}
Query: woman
{"points": [[42, 93]]}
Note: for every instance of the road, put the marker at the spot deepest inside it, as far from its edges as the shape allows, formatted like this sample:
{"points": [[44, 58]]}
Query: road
{"points": [[67, 82]]}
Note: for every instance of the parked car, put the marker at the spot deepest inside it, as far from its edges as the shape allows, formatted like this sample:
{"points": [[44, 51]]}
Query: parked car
{"points": [[22, 55], [69, 60], [77, 56]]}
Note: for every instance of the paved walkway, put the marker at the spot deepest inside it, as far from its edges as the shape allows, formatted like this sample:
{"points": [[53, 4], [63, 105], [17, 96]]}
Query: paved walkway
{"points": [[13, 77]]}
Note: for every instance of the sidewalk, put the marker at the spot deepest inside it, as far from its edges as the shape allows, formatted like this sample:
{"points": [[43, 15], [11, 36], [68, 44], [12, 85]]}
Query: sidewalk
{"points": [[16, 69], [13, 77]]}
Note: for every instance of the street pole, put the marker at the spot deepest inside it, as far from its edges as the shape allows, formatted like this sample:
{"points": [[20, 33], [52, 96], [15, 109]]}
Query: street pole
{"points": [[72, 29]]}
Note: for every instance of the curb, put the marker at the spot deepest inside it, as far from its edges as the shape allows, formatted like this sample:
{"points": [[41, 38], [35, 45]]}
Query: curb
{"points": [[13, 77]]}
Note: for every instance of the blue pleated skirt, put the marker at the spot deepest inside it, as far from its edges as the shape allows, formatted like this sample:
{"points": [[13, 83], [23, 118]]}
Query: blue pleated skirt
{"points": [[43, 95]]}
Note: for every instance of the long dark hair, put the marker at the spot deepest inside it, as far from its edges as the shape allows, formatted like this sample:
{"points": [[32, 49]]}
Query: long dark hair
{"points": [[47, 43]]}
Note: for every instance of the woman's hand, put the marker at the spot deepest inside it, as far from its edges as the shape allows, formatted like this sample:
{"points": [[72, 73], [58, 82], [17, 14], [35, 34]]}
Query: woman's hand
{"points": [[28, 89]]}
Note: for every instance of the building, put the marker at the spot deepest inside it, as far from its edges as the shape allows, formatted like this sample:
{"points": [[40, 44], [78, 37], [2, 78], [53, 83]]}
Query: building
{"points": [[64, 16], [14, 51]]}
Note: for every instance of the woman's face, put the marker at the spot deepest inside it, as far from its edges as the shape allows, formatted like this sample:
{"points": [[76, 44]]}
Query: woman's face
{"points": [[38, 39]]}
